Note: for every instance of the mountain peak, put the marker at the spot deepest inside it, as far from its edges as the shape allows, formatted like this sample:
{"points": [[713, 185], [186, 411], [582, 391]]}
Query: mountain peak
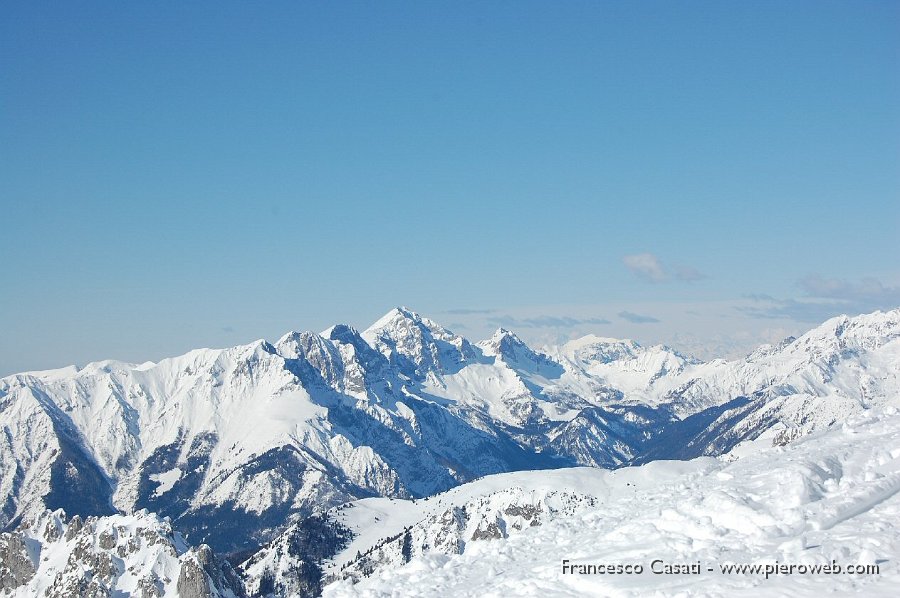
{"points": [[864, 331], [503, 332], [416, 344], [397, 314], [501, 342], [509, 348]]}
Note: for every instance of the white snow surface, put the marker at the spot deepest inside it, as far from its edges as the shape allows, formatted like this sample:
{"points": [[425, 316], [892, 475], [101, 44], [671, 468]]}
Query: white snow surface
{"points": [[374, 519], [166, 480], [830, 497]]}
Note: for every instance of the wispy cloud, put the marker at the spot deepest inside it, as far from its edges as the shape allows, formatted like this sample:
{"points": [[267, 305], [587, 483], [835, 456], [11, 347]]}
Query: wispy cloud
{"points": [[759, 297], [868, 290], [649, 267], [468, 312], [688, 273], [544, 321], [646, 266], [825, 298], [792, 309], [637, 318]]}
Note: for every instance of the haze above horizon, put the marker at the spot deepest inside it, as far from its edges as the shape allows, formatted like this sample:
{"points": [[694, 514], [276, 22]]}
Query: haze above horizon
{"points": [[703, 174]]}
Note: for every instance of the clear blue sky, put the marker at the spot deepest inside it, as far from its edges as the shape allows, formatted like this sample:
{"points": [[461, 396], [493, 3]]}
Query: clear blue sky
{"points": [[175, 175]]}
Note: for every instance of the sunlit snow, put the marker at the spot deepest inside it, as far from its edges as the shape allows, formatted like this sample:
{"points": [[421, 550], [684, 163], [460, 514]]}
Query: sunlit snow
{"points": [[829, 498]]}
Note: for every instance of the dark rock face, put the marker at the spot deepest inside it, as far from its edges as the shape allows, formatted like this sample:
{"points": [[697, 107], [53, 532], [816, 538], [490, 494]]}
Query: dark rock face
{"points": [[530, 513], [204, 575], [491, 531], [16, 568], [150, 586], [108, 539], [75, 525], [193, 582]]}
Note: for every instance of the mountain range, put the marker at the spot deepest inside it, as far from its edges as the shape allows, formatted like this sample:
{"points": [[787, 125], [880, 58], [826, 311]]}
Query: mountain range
{"points": [[253, 451]]}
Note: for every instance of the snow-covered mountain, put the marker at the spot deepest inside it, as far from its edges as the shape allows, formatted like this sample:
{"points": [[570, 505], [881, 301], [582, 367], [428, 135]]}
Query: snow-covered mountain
{"points": [[247, 445], [247, 436]]}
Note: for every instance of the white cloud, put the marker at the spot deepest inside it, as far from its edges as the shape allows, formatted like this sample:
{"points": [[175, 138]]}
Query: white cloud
{"points": [[650, 268], [634, 318], [646, 266]]}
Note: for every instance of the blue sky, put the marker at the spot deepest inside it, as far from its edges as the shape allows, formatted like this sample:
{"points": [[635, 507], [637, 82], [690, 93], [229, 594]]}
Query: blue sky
{"points": [[175, 176]]}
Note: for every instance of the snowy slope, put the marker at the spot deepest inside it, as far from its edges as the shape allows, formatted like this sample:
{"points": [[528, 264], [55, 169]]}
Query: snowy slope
{"points": [[381, 533], [830, 497], [170, 436]]}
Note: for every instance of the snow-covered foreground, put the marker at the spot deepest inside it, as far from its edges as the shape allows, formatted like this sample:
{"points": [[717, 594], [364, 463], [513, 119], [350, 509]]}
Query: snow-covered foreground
{"points": [[827, 498]]}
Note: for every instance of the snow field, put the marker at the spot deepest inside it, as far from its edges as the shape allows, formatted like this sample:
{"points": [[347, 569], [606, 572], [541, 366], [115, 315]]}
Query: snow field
{"points": [[831, 497]]}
